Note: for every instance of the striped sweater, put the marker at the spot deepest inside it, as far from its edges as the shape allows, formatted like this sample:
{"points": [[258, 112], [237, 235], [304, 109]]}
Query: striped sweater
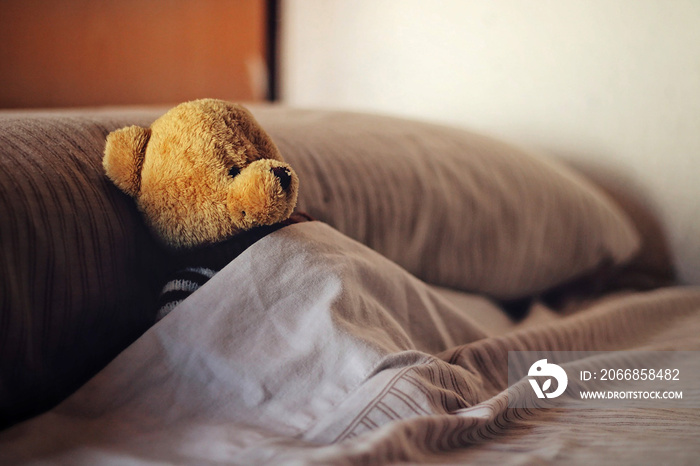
{"points": [[183, 283], [195, 267]]}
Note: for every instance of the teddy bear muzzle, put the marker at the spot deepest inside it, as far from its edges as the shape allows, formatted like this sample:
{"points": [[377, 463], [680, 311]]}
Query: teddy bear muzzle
{"points": [[263, 193]]}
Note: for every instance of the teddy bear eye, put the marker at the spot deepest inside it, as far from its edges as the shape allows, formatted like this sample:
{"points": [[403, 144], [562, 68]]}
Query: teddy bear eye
{"points": [[233, 172]]}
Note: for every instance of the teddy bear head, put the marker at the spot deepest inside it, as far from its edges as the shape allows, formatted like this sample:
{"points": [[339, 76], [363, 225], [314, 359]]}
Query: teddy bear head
{"points": [[202, 173]]}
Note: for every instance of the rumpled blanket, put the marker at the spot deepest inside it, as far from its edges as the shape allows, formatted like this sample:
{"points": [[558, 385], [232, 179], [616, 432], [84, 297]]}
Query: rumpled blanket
{"points": [[310, 348]]}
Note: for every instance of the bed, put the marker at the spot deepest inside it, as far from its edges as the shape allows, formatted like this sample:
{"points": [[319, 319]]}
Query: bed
{"points": [[378, 333]]}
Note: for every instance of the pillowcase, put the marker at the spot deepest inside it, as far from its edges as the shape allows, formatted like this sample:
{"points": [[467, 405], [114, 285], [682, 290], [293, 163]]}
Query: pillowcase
{"points": [[455, 208], [78, 269]]}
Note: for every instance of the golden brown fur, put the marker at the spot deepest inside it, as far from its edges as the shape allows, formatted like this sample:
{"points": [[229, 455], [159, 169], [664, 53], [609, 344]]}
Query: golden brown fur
{"points": [[179, 173]]}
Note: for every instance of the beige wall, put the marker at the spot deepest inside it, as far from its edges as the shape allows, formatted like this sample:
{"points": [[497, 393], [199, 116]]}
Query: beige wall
{"points": [[604, 83]]}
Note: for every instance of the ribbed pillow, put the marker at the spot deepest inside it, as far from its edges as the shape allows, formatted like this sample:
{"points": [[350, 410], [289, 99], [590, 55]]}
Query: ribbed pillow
{"points": [[77, 267], [455, 208]]}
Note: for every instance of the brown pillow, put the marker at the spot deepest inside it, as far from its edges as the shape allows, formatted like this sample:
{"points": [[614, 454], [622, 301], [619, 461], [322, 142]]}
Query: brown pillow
{"points": [[76, 263], [455, 208]]}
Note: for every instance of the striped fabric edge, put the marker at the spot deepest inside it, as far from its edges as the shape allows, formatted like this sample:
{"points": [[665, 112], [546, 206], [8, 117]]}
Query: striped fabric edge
{"points": [[181, 285]]}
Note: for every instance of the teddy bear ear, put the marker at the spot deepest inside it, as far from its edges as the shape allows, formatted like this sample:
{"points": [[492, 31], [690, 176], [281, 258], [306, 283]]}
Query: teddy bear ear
{"points": [[123, 159]]}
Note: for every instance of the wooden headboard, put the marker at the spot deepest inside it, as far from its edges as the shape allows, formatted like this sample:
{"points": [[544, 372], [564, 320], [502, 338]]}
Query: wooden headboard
{"points": [[85, 52]]}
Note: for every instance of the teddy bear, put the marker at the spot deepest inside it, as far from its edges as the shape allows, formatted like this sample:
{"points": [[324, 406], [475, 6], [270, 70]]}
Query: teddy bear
{"points": [[209, 182]]}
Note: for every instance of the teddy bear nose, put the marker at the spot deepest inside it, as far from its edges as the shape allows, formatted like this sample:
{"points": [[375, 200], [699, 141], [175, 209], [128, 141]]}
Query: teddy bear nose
{"points": [[283, 175]]}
